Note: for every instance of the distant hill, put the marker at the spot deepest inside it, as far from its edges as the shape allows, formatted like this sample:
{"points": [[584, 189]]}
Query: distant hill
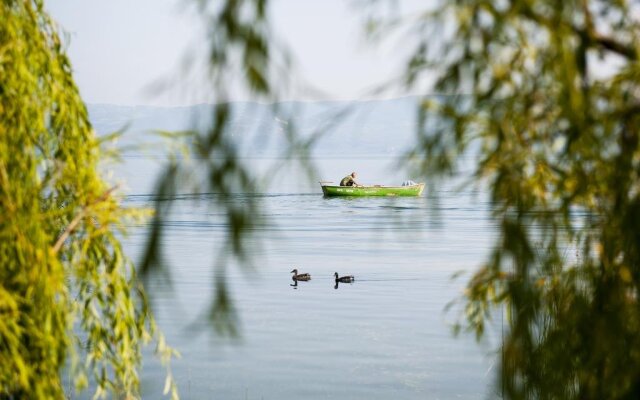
{"points": [[373, 128]]}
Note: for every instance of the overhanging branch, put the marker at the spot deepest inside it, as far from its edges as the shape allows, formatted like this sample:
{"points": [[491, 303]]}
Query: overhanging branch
{"points": [[76, 220]]}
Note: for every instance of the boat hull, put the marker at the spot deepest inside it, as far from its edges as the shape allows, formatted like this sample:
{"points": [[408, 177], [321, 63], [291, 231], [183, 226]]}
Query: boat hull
{"points": [[383, 191]]}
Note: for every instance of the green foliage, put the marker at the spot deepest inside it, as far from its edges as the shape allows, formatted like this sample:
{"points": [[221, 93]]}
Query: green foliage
{"points": [[241, 51], [552, 105], [67, 292], [557, 147]]}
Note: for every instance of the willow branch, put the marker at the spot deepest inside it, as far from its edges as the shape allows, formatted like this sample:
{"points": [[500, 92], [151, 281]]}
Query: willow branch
{"points": [[615, 46], [76, 220], [588, 32]]}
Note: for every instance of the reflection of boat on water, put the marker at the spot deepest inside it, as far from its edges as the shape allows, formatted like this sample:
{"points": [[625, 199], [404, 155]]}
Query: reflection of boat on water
{"points": [[375, 190]]}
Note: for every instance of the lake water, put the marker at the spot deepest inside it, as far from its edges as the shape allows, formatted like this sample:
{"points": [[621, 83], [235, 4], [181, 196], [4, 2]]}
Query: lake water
{"points": [[387, 335]]}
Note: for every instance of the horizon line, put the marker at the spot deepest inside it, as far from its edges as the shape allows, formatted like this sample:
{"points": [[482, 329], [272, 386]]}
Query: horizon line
{"points": [[277, 101]]}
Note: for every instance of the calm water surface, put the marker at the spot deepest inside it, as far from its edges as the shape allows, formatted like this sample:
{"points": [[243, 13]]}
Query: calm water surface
{"points": [[384, 336]]}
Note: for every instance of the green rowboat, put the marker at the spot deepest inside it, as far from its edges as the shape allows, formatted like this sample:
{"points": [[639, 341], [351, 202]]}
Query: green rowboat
{"points": [[376, 190]]}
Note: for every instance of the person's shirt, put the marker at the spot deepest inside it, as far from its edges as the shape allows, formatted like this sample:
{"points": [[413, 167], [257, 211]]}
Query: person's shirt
{"points": [[348, 181]]}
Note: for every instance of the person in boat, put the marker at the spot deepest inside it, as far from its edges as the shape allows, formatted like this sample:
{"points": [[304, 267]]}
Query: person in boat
{"points": [[349, 180]]}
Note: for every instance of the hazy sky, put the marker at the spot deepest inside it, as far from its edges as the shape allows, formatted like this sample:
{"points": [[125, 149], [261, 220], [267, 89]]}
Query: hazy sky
{"points": [[123, 50]]}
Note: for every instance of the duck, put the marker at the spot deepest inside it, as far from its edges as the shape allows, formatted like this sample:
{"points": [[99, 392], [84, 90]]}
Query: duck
{"points": [[300, 277], [344, 279]]}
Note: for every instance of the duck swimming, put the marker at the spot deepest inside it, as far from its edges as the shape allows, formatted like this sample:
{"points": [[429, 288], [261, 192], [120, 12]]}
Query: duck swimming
{"points": [[300, 277], [344, 279]]}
